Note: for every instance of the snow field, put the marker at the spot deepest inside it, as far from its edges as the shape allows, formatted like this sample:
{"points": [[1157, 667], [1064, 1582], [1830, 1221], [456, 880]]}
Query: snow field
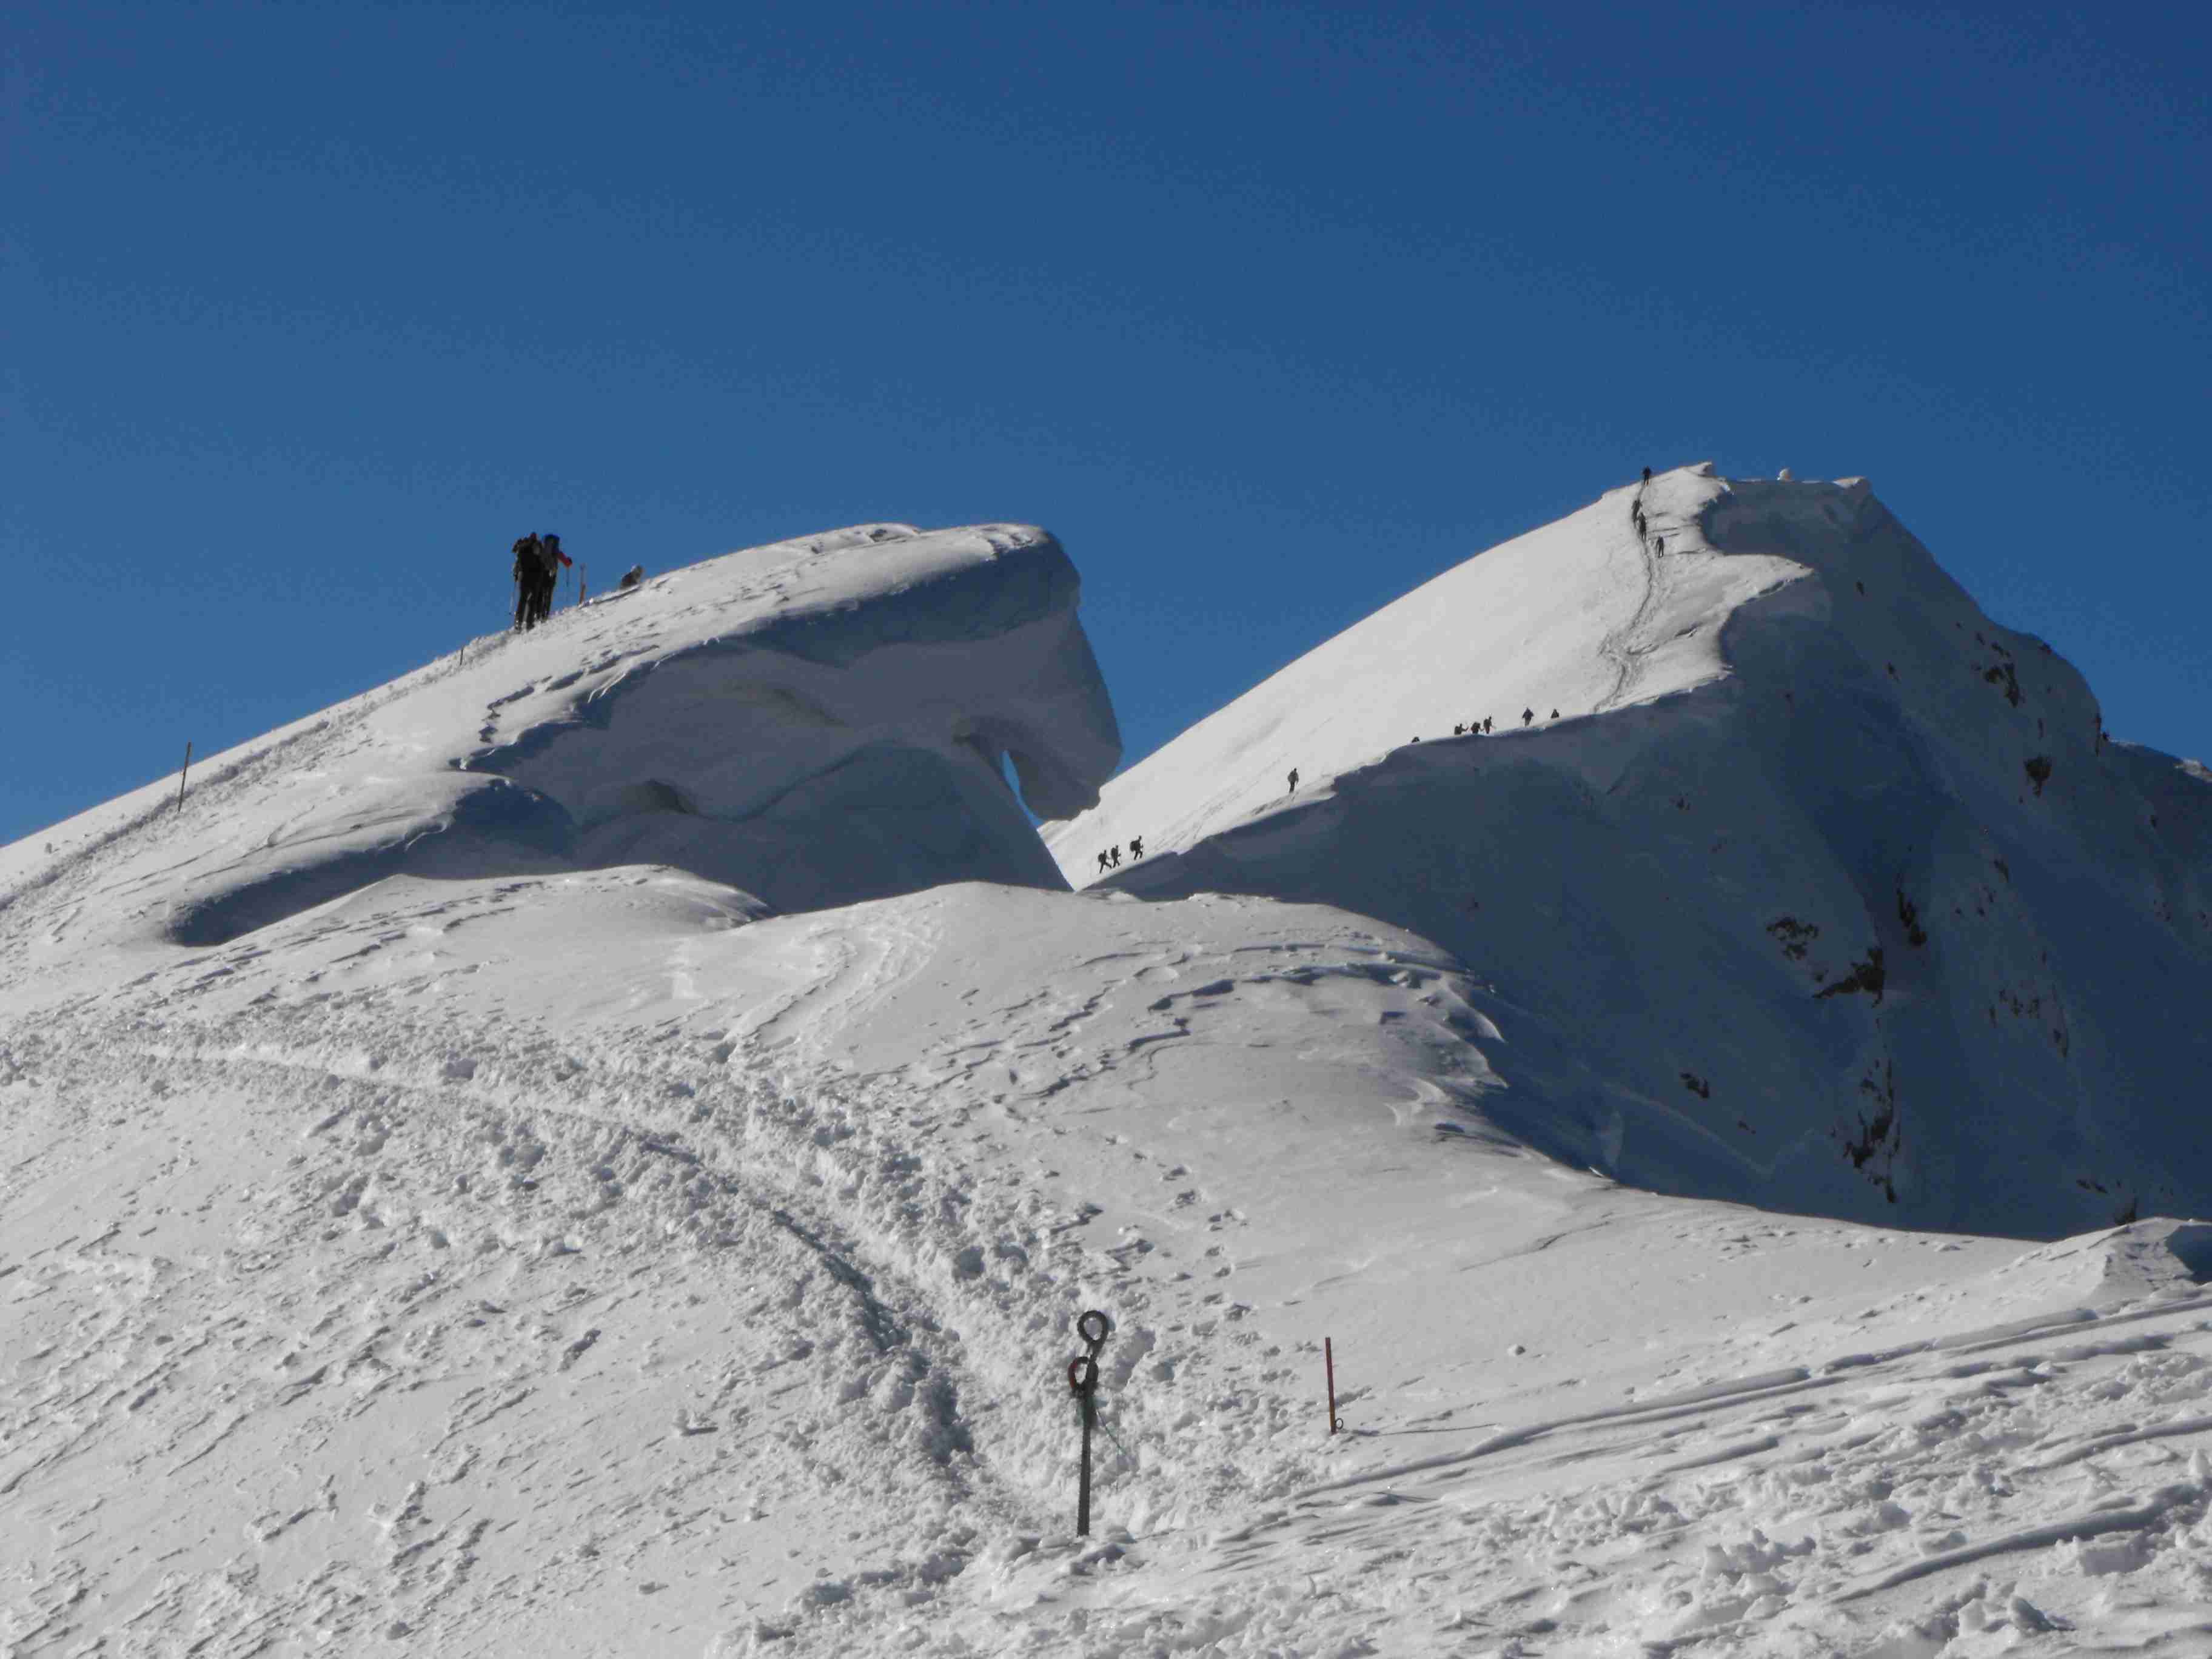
{"points": [[723, 1297], [397, 1167]]}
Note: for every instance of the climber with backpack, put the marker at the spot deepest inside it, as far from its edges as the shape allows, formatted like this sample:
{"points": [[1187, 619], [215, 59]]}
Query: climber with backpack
{"points": [[551, 559], [528, 568]]}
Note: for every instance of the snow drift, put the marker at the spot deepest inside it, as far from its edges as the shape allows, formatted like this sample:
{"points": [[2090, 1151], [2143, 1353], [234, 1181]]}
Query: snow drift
{"points": [[1789, 877], [816, 722]]}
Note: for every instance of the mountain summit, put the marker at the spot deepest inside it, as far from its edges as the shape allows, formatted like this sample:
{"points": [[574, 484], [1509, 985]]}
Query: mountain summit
{"points": [[1788, 876]]}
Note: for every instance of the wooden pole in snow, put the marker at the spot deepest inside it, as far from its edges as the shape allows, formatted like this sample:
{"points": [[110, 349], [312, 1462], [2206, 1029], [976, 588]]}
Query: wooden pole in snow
{"points": [[1328, 1364], [182, 775]]}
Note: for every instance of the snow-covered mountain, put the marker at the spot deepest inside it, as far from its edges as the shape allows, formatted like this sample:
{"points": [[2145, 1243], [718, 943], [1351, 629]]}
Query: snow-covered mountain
{"points": [[1787, 876], [817, 721], [600, 1145]]}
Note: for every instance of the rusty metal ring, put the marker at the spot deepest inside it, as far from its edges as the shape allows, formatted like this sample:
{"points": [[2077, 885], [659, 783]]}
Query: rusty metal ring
{"points": [[1083, 1374]]}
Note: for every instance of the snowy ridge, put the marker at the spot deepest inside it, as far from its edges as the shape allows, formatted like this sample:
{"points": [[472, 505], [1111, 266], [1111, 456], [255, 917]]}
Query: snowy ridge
{"points": [[1824, 892], [816, 722], [1580, 615]]}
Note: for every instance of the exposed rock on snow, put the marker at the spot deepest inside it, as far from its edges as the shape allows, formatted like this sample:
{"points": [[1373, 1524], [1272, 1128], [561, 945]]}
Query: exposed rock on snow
{"points": [[1824, 892]]}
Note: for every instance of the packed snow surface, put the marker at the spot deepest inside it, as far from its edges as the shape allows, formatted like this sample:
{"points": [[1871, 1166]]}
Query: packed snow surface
{"points": [[577, 1255], [1788, 876]]}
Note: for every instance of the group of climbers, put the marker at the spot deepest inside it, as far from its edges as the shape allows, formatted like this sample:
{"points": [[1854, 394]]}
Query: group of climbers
{"points": [[1478, 728], [538, 562], [1481, 727], [1111, 857], [1638, 517]]}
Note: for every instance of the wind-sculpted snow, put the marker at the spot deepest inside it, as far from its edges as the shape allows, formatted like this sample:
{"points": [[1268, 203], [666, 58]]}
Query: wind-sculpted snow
{"points": [[1821, 892], [816, 722]]}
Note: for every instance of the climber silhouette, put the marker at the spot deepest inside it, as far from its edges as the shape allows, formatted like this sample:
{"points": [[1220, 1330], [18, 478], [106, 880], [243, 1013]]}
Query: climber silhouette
{"points": [[1136, 846], [1527, 715], [1101, 860], [1294, 780]]}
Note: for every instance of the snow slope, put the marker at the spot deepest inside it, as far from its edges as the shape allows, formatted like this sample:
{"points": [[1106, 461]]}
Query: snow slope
{"points": [[372, 1279], [1822, 891], [579, 1257], [816, 722]]}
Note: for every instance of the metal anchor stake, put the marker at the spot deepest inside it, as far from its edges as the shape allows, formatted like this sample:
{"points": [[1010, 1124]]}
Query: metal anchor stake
{"points": [[1082, 1382]]}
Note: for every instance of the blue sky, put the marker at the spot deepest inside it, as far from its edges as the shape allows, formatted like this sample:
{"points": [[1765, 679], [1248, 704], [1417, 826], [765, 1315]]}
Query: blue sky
{"points": [[1271, 312]]}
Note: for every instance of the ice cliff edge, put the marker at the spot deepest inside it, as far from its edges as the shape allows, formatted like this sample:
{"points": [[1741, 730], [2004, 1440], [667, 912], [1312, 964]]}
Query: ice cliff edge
{"points": [[818, 722]]}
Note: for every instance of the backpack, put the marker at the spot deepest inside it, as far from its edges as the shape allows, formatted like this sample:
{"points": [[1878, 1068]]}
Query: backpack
{"points": [[526, 552]]}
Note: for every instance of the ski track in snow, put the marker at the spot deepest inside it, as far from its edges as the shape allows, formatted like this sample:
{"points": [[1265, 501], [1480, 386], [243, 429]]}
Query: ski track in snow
{"points": [[501, 1249], [1621, 647]]}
